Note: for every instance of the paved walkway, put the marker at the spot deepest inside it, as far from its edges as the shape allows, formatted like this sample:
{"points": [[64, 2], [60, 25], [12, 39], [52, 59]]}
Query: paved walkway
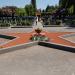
{"points": [[37, 60], [60, 29]]}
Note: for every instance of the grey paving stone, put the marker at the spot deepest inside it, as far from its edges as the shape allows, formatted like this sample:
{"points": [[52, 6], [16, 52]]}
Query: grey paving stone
{"points": [[37, 60]]}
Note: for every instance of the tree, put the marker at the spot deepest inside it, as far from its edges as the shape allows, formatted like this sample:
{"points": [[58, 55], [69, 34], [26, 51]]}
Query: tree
{"points": [[51, 9], [33, 2], [20, 12], [68, 4], [13, 10], [0, 12], [47, 8], [43, 10], [63, 3], [29, 10]]}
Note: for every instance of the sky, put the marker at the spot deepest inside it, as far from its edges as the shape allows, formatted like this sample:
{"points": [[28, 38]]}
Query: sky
{"points": [[21, 3]]}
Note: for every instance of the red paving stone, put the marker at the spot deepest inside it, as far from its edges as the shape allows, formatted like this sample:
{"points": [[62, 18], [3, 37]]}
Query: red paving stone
{"points": [[22, 38], [56, 38]]}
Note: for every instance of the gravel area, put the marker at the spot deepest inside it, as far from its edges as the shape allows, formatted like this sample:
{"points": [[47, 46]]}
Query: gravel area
{"points": [[37, 60]]}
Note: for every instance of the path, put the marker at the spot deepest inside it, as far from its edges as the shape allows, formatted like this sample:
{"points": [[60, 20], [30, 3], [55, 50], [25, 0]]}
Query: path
{"points": [[37, 60]]}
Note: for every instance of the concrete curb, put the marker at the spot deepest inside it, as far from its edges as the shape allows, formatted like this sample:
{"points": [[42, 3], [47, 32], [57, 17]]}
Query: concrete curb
{"points": [[22, 27], [18, 47]]}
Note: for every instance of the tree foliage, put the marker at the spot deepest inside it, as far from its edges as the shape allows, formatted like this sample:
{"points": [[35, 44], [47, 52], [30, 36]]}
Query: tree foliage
{"points": [[51, 9], [68, 4], [20, 12], [29, 10]]}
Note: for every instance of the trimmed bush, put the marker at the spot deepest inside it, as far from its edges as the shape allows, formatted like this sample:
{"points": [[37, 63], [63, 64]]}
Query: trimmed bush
{"points": [[4, 24], [58, 22]]}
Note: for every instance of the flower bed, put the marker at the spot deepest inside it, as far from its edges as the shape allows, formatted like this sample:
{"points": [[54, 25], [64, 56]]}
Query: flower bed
{"points": [[38, 36]]}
